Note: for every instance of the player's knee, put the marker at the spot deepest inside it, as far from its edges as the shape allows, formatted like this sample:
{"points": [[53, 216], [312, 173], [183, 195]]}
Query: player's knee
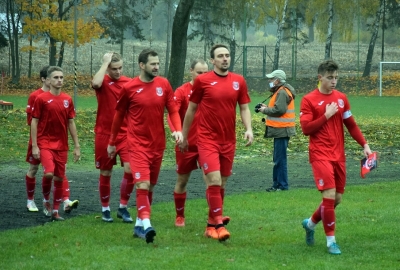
{"points": [[32, 170], [48, 175], [105, 172]]}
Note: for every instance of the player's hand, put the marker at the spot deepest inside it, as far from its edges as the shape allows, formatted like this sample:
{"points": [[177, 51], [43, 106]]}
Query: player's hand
{"points": [[35, 152], [248, 135], [111, 150], [77, 153], [178, 137], [367, 150], [173, 134], [183, 145], [331, 109], [107, 58]]}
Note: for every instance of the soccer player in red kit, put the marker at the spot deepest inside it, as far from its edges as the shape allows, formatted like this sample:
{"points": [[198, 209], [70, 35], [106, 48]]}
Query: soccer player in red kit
{"points": [[30, 179], [186, 162], [52, 115], [323, 112], [216, 95], [143, 101], [107, 83]]}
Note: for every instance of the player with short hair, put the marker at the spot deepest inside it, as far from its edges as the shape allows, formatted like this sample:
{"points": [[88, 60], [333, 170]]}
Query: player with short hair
{"points": [[216, 95], [143, 101], [107, 83], [185, 162], [30, 179], [323, 112], [52, 115]]}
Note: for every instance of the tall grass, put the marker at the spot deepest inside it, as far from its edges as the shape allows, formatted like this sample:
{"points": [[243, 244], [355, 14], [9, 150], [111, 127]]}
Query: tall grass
{"points": [[265, 234]]}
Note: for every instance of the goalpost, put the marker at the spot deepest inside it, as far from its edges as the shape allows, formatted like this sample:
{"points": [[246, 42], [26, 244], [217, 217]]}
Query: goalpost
{"points": [[380, 74]]}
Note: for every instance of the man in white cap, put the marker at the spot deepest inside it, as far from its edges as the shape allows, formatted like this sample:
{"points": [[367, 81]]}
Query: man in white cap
{"points": [[280, 125]]}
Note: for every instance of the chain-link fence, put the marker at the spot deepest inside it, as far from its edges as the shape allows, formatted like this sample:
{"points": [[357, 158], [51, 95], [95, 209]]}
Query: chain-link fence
{"points": [[298, 62]]}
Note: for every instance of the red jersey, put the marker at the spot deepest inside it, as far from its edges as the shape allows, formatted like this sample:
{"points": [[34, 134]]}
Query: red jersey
{"points": [[182, 95], [327, 143], [145, 104], [31, 102], [53, 113], [217, 97], [107, 96]]}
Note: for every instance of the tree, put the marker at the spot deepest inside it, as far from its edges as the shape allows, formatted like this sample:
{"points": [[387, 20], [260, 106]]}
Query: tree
{"points": [[328, 44], [54, 20], [13, 14], [374, 36], [179, 42], [277, 13], [118, 16]]}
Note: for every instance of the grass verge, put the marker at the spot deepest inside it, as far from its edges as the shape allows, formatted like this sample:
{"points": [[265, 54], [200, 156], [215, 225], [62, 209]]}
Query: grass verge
{"points": [[265, 234]]}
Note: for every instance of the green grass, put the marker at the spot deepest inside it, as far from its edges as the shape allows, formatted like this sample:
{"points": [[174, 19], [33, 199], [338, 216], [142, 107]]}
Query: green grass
{"points": [[265, 234]]}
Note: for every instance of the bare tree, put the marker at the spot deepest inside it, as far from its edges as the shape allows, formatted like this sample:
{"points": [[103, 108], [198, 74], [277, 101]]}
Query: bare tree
{"points": [[179, 42], [371, 47], [328, 44], [279, 36], [13, 23]]}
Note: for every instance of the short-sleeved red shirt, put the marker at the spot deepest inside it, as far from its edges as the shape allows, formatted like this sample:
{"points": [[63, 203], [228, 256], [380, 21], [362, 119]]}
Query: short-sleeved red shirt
{"points": [[182, 95], [53, 113], [328, 142], [218, 97], [145, 104], [31, 102], [107, 96]]}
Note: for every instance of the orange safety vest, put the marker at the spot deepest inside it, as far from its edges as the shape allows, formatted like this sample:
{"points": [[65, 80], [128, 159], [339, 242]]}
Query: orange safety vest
{"points": [[288, 118]]}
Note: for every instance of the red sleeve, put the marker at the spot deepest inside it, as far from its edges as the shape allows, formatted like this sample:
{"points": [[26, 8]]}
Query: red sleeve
{"points": [[197, 93], [308, 124], [309, 127], [354, 130], [31, 101], [116, 126], [71, 113], [175, 120], [119, 116], [36, 109]]}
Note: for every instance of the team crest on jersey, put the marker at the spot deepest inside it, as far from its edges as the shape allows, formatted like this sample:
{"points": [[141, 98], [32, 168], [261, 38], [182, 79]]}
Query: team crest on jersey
{"points": [[66, 103], [159, 91], [137, 175], [321, 182], [340, 103], [205, 166], [235, 85]]}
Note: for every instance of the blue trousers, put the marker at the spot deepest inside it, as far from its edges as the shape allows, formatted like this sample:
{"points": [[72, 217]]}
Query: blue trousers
{"points": [[280, 175]]}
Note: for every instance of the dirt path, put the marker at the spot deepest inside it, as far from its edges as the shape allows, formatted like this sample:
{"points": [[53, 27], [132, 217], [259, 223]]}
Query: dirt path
{"points": [[254, 175]]}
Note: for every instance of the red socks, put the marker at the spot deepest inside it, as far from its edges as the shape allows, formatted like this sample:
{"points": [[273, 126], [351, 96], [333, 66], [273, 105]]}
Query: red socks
{"points": [[57, 194], [46, 187], [328, 216], [213, 194], [30, 186], [126, 188], [105, 190], [66, 192], [180, 200], [143, 204], [316, 217]]}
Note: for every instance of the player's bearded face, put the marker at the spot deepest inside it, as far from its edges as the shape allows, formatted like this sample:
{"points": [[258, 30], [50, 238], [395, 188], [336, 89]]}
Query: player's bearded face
{"points": [[222, 59], [152, 67]]}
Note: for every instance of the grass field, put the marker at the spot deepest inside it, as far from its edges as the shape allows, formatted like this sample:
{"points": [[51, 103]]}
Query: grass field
{"points": [[265, 227], [266, 230]]}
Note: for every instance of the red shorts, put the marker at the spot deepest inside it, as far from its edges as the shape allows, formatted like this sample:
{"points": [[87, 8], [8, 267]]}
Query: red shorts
{"points": [[215, 157], [29, 157], [54, 161], [186, 162], [145, 166], [329, 174], [102, 161]]}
